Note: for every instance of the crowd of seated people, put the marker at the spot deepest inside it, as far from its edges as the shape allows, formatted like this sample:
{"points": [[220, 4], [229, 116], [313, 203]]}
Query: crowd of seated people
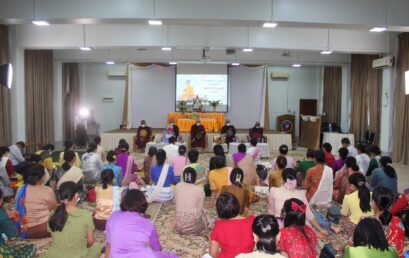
{"points": [[363, 188]]}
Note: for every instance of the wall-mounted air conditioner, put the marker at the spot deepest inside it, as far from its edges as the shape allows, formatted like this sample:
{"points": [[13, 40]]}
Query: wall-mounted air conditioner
{"points": [[384, 62]]}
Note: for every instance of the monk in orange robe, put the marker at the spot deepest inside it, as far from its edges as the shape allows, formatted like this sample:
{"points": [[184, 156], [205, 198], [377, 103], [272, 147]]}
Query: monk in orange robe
{"points": [[143, 135]]}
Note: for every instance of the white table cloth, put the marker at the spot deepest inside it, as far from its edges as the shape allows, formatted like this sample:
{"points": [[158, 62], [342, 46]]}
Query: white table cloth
{"points": [[265, 149]]}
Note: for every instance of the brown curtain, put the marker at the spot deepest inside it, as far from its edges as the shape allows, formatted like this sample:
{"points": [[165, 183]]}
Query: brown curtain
{"points": [[400, 151], [266, 105], [366, 90], [5, 117], [39, 96], [332, 94], [125, 111], [71, 97]]}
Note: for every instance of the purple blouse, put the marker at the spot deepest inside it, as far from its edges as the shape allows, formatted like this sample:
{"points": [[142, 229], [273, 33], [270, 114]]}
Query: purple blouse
{"points": [[122, 161], [337, 165], [238, 156]]}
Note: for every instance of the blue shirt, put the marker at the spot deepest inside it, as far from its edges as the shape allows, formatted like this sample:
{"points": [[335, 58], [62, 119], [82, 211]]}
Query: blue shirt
{"points": [[380, 178], [155, 174], [117, 173]]}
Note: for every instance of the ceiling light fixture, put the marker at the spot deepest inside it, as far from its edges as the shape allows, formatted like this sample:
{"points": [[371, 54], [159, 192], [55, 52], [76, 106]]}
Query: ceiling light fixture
{"points": [[110, 62], [172, 63], [155, 22], [235, 64], [326, 52], [378, 29], [247, 50], [84, 42], [296, 65], [40, 23], [269, 25], [85, 48], [166, 48], [35, 20]]}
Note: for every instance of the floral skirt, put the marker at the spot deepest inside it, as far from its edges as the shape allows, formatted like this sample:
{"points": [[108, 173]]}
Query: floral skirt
{"points": [[19, 250], [191, 223]]}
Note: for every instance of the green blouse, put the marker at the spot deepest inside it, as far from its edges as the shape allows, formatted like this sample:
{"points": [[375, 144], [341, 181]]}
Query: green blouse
{"points": [[305, 165], [366, 252], [6, 226]]}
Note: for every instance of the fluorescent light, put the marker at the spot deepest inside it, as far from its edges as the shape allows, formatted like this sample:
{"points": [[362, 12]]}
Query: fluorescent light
{"points": [[407, 82], [235, 64], [166, 48], [326, 52], [40, 23], [172, 63], [296, 65], [247, 50], [110, 62], [378, 29], [269, 25], [155, 22], [85, 48]]}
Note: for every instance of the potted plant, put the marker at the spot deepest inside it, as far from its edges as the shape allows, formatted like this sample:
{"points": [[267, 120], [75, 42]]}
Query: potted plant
{"points": [[214, 104], [181, 106]]}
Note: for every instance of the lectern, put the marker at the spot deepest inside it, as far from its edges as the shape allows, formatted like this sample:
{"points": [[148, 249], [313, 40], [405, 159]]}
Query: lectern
{"points": [[286, 124]]}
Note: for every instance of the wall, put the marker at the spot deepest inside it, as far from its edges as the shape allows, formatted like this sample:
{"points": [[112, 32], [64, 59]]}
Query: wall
{"points": [[285, 95]]}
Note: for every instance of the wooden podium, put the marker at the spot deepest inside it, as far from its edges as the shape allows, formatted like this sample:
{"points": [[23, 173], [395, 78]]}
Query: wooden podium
{"points": [[286, 124]]}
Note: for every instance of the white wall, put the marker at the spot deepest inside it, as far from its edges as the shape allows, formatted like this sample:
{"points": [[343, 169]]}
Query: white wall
{"points": [[285, 95]]}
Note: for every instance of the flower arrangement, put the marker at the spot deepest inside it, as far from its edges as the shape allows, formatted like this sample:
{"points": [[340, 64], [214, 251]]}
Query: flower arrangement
{"points": [[214, 104], [182, 106]]}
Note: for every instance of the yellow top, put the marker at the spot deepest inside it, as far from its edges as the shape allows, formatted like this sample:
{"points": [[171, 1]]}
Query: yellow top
{"points": [[275, 178], [350, 208], [48, 162], [77, 159], [218, 178]]}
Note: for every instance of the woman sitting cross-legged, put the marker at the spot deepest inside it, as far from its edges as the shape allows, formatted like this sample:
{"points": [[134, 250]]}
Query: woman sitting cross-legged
{"points": [[162, 177], [392, 225], [385, 176], [91, 164], [111, 158], [128, 166], [71, 228], [69, 145], [245, 162], [190, 217], [341, 186], [265, 230], [34, 201], [275, 177], [231, 234], [297, 239], [369, 241], [130, 234], [178, 163], [108, 199], [218, 178], [201, 173], [149, 161], [68, 171]]}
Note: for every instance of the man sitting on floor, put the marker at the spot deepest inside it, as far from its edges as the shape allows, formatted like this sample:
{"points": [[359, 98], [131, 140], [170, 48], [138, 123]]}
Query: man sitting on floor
{"points": [[172, 150], [19, 163], [143, 136], [198, 135]]}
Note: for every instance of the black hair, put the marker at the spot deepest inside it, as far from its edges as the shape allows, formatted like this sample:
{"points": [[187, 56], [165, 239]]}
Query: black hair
{"points": [[172, 140], [21, 143], [121, 141], [253, 142], [124, 147], [327, 147], [386, 164], [135, 201], [345, 141], [152, 151], [160, 157], [343, 153], [383, 198], [97, 140], [69, 156], [189, 175], [242, 148], [182, 150], [358, 180], [283, 149], [266, 228], [281, 162], [48, 146], [350, 162], [369, 233], [375, 150], [295, 217], [35, 173], [66, 192], [227, 206], [218, 150], [107, 176], [310, 153], [319, 156], [193, 156], [219, 161], [3, 150], [68, 145], [91, 147], [289, 173], [361, 148], [35, 158], [237, 176], [111, 156]]}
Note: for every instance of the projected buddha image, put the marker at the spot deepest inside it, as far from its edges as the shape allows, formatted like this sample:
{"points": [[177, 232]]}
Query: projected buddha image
{"points": [[188, 91]]}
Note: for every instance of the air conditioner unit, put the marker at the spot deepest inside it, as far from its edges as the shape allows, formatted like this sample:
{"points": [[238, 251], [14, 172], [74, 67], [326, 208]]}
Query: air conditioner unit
{"points": [[384, 62], [117, 73], [279, 76]]}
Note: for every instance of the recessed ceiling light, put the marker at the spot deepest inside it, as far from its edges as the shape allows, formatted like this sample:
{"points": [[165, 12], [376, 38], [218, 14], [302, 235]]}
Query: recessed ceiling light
{"points": [[40, 23], [155, 22], [166, 48], [326, 52], [235, 64], [85, 48], [110, 62], [378, 29], [172, 63], [247, 50], [269, 25], [296, 65]]}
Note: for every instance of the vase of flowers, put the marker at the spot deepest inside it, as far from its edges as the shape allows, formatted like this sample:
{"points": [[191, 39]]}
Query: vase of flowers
{"points": [[214, 104], [181, 106]]}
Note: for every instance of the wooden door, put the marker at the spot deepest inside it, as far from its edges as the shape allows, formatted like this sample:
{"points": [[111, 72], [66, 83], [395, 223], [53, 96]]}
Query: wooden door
{"points": [[308, 107]]}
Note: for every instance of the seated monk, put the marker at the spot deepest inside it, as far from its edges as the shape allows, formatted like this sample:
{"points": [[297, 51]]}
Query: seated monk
{"points": [[143, 136], [198, 135], [230, 132], [256, 132]]}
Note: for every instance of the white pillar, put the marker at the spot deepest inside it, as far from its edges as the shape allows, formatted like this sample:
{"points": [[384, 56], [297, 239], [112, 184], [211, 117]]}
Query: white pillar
{"points": [[345, 99], [58, 102]]}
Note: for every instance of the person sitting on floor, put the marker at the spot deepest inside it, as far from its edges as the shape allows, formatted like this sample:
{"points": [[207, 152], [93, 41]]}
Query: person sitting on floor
{"points": [[190, 217], [91, 164], [362, 159], [339, 163], [275, 177], [5, 161], [394, 230], [118, 148], [162, 177], [307, 163], [100, 149], [341, 186], [34, 201], [172, 150], [224, 237], [329, 158], [149, 161], [4, 176], [218, 178], [385, 176], [70, 226], [46, 153], [69, 172], [238, 189], [16, 156], [291, 163], [143, 136], [245, 162], [297, 239], [201, 173], [179, 163], [111, 158], [108, 199], [265, 230], [375, 155], [357, 204], [219, 151], [254, 151], [369, 241], [346, 143], [69, 145], [128, 166], [129, 233]]}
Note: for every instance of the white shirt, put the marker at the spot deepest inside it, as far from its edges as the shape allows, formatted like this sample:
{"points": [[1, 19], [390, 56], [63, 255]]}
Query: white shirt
{"points": [[15, 155], [363, 162], [172, 151], [352, 151], [91, 161], [250, 151]]}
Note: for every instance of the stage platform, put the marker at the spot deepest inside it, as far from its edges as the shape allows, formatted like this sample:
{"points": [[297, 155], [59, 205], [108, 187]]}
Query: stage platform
{"points": [[110, 139]]}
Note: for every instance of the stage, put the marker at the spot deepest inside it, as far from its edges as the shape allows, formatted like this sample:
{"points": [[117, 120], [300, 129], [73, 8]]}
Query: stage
{"points": [[110, 139]]}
